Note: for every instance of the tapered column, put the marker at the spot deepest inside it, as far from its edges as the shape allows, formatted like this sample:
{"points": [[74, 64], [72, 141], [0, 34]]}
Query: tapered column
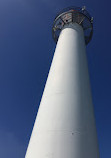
{"points": [[65, 125]]}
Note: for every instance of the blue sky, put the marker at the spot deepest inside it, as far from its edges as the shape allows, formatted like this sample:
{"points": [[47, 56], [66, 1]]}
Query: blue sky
{"points": [[26, 51]]}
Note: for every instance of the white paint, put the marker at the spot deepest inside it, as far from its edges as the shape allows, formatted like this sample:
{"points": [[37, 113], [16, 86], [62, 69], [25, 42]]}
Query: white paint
{"points": [[65, 125]]}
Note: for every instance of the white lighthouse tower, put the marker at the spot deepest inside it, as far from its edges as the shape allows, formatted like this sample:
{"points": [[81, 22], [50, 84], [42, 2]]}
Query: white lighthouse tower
{"points": [[65, 124]]}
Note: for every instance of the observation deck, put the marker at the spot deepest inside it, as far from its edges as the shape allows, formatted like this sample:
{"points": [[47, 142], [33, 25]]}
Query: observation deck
{"points": [[73, 15]]}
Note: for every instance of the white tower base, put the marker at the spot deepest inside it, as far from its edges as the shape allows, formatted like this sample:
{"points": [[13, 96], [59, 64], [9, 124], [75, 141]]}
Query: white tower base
{"points": [[65, 126]]}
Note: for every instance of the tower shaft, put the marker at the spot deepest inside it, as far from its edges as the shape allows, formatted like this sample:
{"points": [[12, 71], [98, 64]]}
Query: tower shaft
{"points": [[65, 125]]}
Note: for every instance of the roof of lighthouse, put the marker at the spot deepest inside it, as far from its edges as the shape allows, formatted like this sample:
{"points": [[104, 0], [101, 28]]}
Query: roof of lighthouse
{"points": [[73, 15]]}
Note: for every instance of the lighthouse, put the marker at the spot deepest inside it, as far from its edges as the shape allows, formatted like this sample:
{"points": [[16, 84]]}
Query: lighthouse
{"points": [[65, 123]]}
